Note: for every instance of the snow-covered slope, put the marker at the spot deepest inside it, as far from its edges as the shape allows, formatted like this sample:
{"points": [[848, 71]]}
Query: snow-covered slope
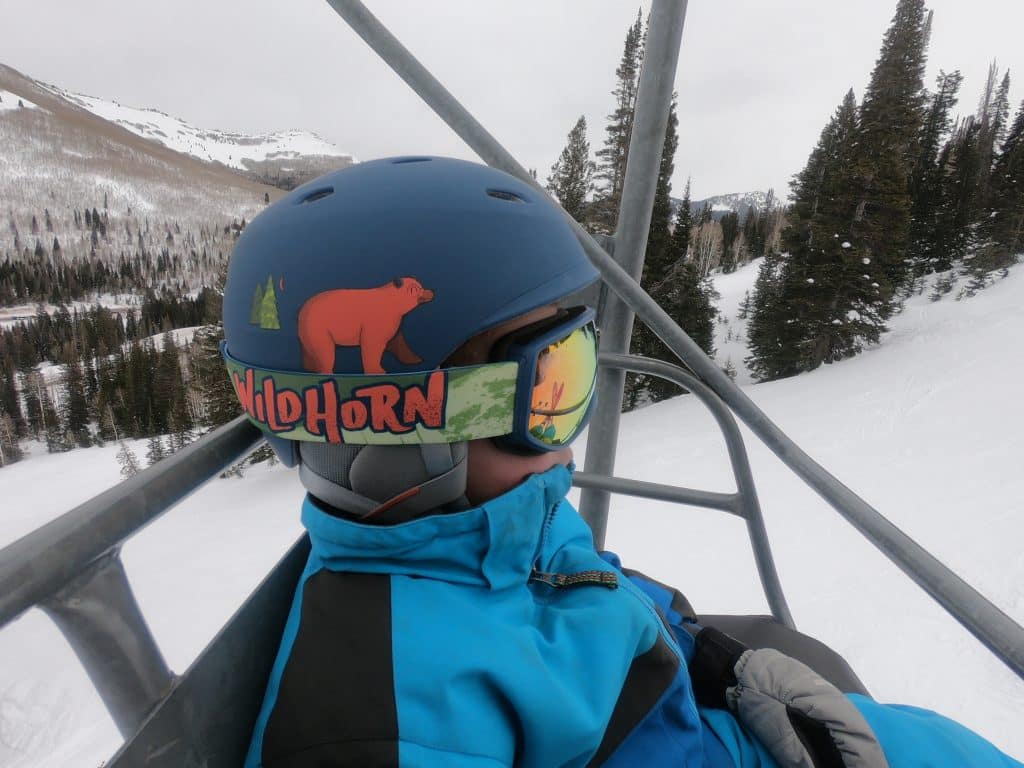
{"points": [[12, 101], [231, 149], [57, 156], [928, 427], [294, 156]]}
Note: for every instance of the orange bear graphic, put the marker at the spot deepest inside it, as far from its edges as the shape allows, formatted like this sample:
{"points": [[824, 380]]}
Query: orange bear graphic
{"points": [[368, 318]]}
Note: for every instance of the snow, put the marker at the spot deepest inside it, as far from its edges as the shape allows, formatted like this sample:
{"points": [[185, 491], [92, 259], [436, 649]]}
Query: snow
{"points": [[231, 149], [9, 102], [119, 304], [928, 427], [182, 337]]}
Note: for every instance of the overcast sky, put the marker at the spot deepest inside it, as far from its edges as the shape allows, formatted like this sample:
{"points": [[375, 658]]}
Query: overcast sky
{"points": [[757, 80]]}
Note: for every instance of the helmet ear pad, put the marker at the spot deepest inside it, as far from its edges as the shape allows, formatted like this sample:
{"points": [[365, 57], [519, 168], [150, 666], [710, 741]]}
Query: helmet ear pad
{"points": [[437, 472], [400, 481], [287, 450]]}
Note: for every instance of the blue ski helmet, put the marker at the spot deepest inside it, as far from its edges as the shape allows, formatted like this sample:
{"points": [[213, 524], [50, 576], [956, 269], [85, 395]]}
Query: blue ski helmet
{"points": [[443, 249]]}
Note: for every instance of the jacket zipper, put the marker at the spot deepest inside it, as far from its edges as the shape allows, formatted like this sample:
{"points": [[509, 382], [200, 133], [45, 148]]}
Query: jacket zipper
{"points": [[608, 579]]}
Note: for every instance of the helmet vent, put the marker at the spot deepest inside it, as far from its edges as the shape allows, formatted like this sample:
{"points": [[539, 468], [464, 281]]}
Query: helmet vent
{"points": [[317, 194], [403, 160], [503, 194]]}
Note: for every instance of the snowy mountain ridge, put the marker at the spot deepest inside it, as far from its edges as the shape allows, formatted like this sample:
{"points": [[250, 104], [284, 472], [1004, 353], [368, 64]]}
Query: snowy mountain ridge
{"points": [[740, 202], [240, 151], [58, 155]]}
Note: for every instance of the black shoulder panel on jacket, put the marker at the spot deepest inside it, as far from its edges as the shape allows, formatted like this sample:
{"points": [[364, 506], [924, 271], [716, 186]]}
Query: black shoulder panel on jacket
{"points": [[336, 702]]}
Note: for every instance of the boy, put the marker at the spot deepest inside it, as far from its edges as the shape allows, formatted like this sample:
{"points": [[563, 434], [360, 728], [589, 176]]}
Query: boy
{"points": [[402, 331]]}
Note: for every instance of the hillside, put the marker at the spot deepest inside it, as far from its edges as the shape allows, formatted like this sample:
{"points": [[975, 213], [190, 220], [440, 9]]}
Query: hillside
{"points": [[927, 426], [284, 159], [163, 218], [62, 151]]}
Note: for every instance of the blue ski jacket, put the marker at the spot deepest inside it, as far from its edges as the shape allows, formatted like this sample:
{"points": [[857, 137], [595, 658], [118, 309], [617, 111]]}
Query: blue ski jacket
{"points": [[494, 636]]}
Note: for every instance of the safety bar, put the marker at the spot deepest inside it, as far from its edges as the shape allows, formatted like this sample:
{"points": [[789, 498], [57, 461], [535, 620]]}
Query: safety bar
{"points": [[743, 502], [71, 568], [996, 631]]}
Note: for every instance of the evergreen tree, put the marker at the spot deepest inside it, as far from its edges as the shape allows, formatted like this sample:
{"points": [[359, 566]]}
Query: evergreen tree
{"points": [[730, 224], [659, 256], [926, 186], [155, 450], [959, 204], [31, 384], [688, 298], [768, 333], [611, 164], [181, 425], [10, 449], [168, 387], [216, 393], [993, 111], [753, 243], [679, 246], [706, 215], [572, 176], [76, 405], [889, 124], [128, 461], [1002, 225], [821, 303], [10, 402], [56, 441]]}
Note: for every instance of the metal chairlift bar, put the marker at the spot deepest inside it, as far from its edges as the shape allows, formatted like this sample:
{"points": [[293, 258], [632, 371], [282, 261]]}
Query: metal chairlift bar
{"points": [[725, 502], [650, 118], [997, 631], [749, 507], [98, 615], [36, 566]]}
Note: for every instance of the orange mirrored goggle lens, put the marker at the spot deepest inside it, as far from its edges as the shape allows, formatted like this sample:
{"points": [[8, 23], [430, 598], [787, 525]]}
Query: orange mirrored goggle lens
{"points": [[564, 386]]}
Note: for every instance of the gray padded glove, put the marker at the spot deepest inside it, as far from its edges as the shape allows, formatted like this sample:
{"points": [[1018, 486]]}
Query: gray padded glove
{"points": [[800, 717]]}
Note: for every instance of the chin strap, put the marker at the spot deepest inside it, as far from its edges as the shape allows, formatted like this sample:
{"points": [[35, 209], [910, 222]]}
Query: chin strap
{"points": [[390, 484]]}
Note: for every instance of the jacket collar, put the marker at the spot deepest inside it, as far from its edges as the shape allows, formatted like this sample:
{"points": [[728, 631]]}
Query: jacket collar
{"points": [[493, 545]]}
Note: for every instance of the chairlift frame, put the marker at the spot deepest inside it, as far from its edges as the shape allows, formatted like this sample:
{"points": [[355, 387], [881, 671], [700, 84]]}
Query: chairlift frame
{"points": [[71, 567]]}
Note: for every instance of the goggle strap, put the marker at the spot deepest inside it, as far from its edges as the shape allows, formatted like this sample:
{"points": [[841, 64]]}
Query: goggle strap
{"points": [[445, 405]]}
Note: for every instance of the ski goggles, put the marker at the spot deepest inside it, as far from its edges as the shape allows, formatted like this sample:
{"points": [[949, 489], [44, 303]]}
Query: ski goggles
{"points": [[536, 394], [557, 370]]}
